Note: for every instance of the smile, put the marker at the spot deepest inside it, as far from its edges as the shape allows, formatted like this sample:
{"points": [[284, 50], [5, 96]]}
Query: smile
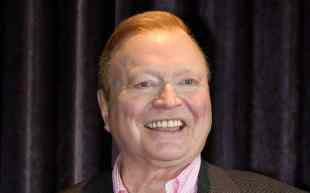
{"points": [[168, 123]]}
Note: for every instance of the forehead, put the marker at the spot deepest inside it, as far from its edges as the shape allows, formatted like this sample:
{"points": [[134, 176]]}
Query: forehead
{"points": [[173, 48]]}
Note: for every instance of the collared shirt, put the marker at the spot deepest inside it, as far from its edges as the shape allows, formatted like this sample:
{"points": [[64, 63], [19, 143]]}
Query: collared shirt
{"points": [[185, 182]]}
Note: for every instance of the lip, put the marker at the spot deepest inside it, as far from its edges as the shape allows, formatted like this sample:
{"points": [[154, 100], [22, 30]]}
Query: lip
{"points": [[168, 135], [185, 123], [166, 118]]}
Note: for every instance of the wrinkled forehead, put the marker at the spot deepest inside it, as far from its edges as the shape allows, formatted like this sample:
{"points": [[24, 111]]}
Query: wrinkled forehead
{"points": [[150, 39], [157, 48], [157, 35]]}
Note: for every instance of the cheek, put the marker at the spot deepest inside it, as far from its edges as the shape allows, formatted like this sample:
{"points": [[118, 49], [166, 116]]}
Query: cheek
{"points": [[131, 108], [200, 104], [126, 116]]}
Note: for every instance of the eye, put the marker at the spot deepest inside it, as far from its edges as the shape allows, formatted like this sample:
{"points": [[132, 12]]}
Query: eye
{"points": [[144, 84], [189, 81]]}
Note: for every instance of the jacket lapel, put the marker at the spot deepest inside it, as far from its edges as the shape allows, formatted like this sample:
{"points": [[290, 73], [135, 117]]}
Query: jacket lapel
{"points": [[216, 180], [203, 180]]}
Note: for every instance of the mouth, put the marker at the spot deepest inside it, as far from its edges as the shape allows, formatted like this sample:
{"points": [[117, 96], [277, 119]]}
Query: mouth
{"points": [[166, 125]]}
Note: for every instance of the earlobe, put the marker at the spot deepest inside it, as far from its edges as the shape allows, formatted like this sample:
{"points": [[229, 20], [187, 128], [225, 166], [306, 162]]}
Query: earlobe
{"points": [[103, 105]]}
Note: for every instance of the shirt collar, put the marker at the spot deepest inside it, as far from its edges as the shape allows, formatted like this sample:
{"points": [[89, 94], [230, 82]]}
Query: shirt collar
{"points": [[118, 186], [185, 182]]}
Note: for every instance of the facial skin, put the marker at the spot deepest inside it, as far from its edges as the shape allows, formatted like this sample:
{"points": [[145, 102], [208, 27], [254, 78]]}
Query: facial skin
{"points": [[158, 75]]}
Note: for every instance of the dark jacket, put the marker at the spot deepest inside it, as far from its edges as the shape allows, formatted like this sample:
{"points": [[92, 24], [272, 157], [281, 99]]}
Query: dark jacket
{"points": [[211, 179]]}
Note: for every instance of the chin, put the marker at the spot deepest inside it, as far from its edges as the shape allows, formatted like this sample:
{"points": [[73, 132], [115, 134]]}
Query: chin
{"points": [[171, 157]]}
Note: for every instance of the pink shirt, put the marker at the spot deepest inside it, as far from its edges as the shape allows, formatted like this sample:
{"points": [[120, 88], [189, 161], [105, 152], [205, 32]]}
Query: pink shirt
{"points": [[185, 182]]}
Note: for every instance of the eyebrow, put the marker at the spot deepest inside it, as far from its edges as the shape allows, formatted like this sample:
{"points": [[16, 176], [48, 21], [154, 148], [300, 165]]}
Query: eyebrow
{"points": [[148, 72], [133, 74], [156, 73], [185, 71]]}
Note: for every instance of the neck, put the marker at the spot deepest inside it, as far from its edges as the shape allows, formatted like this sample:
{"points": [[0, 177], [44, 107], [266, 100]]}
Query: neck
{"points": [[147, 177]]}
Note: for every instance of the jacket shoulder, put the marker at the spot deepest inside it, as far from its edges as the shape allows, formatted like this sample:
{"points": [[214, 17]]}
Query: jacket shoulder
{"points": [[253, 182], [236, 181]]}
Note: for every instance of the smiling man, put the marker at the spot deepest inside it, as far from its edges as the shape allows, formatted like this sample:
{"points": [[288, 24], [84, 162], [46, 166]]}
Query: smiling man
{"points": [[154, 98]]}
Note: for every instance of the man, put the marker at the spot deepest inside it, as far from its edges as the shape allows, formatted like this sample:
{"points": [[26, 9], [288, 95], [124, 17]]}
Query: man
{"points": [[154, 98]]}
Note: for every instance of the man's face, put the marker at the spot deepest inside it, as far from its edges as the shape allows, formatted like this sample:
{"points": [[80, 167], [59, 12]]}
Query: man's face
{"points": [[159, 109]]}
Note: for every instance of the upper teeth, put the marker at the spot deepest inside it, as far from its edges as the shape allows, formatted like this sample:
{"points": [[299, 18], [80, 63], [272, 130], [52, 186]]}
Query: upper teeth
{"points": [[165, 123]]}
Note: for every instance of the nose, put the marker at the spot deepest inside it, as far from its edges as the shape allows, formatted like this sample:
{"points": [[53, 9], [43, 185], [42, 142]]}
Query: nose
{"points": [[167, 97]]}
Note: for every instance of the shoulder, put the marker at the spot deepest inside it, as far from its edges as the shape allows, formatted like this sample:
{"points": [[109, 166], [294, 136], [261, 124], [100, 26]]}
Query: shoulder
{"points": [[247, 181], [250, 180]]}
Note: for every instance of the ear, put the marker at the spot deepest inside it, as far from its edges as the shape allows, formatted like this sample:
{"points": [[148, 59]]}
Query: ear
{"points": [[103, 105]]}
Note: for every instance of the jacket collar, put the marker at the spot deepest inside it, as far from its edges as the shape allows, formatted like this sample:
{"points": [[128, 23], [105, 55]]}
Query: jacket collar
{"points": [[203, 179], [218, 180]]}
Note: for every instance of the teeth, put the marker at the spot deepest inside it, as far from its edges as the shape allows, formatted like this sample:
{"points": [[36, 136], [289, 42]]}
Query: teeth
{"points": [[170, 123], [158, 124], [165, 123]]}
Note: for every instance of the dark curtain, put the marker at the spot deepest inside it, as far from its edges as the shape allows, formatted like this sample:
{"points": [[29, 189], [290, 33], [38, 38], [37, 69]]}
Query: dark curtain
{"points": [[51, 132]]}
